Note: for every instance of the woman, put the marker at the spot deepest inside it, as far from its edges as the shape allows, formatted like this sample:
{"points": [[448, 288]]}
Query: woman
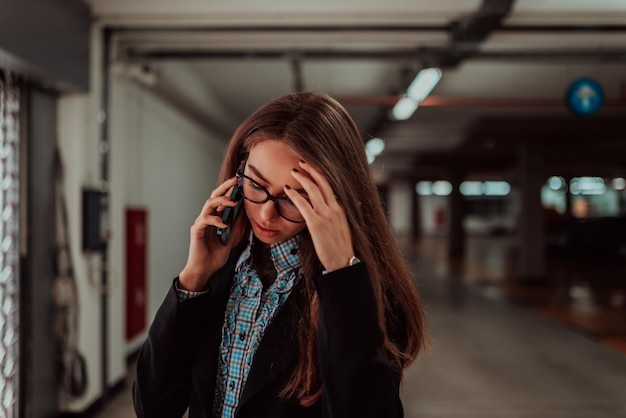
{"points": [[308, 310]]}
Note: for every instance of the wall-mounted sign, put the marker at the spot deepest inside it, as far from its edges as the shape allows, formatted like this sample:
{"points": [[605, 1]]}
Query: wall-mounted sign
{"points": [[585, 96]]}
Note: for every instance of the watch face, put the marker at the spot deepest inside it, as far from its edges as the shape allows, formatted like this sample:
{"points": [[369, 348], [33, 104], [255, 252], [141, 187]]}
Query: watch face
{"points": [[354, 261]]}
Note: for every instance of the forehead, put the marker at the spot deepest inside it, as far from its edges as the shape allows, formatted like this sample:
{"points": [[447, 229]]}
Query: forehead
{"points": [[272, 152]]}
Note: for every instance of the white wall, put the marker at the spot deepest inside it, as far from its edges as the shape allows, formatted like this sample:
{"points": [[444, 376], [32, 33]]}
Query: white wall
{"points": [[163, 162], [430, 206], [400, 208], [159, 160], [79, 153]]}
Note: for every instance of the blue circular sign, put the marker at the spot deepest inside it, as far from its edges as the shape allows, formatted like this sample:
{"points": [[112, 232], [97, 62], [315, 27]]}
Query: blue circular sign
{"points": [[585, 96]]}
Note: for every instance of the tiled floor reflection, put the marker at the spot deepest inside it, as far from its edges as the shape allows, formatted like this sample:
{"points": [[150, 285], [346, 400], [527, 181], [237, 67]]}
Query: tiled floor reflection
{"points": [[497, 353], [502, 350], [588, 296]]}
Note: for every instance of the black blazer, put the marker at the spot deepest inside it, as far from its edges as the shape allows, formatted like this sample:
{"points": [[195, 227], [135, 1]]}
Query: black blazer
{"points": [[177, 364]]}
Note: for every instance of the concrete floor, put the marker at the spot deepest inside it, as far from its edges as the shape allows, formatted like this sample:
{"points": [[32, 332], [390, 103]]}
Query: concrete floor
{"points": [[493, 358]]}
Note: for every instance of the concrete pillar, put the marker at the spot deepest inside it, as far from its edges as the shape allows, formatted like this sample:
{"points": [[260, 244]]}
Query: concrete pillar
{"points": [[621, 202], [456, 214], [532, 258], [400, 208], [416, 224], [568, 197]]}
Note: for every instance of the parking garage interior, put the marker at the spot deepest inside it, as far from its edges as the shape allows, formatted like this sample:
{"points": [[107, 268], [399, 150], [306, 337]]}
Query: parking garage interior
{"points": [[505, 186]]}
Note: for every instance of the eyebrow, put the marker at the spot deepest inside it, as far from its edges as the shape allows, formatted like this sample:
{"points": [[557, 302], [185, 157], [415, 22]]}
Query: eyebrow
{"points": [[257, 173]]}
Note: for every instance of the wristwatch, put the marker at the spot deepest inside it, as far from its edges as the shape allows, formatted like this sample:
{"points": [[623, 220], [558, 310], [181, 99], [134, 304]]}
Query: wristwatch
{"points": [[353, 260]]}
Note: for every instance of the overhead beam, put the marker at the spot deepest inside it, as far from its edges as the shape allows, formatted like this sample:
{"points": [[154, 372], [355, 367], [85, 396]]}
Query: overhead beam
{"points": [[399, 54], [473, 102], [558, 28]]}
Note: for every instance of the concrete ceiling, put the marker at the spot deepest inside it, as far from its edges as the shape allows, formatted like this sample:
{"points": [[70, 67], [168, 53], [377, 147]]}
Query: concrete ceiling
{"points": [[505, 63]]}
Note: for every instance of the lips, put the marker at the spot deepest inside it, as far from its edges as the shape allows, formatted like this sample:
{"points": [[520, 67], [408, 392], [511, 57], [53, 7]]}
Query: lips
{"points": [[266, 232]]}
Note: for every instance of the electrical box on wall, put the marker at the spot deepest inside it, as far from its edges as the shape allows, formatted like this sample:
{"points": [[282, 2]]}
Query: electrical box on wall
{"points": [[94, 203]]}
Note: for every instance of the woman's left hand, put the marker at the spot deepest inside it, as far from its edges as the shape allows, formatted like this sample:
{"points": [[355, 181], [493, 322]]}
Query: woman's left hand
{"points": [[324, 216]]}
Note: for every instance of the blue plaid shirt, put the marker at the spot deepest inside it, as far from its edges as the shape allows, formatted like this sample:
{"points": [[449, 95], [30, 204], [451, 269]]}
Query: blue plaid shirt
{"points": [[249, 311]]}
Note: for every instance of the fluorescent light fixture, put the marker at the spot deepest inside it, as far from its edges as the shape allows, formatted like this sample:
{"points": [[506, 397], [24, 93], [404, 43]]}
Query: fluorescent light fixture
{"points": [[496, 188], [442, 188], [375, 146], [557, 183], [619, 183], [404, 108], [423, 84], [587, 186], [471, 188], [424, 188], [418, 90]]}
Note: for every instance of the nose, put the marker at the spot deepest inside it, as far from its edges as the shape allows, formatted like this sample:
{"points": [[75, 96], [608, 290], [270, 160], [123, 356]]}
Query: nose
{"points": [[268, 211]]}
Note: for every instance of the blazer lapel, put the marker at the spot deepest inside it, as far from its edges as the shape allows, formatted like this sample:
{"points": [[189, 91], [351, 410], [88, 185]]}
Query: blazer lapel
{"points": [[205, 372]]}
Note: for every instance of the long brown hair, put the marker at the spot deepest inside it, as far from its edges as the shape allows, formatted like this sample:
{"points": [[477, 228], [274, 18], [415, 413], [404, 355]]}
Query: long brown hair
{"points": [[320, 130]]}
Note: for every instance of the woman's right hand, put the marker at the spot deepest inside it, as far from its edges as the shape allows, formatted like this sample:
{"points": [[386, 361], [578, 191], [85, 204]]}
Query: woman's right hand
{"points": [[206, 253]]}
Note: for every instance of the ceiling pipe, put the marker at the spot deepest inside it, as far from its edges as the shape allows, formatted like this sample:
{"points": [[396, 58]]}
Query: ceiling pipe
{"points": [[473, 102], [476, 27], [470, 32], [442, 101]]}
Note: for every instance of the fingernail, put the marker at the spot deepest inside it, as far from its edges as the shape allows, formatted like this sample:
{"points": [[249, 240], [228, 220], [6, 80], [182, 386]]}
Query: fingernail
{"points": [[295, 170], [287, 187]]}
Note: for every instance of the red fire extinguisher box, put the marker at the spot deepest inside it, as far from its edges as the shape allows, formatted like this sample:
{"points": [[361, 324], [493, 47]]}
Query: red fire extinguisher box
{"points": [[136, 269]]}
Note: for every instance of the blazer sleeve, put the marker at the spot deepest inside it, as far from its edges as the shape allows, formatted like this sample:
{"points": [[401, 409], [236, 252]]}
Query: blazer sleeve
{"points": [[162, 385], [164, 365], [358, 380]]}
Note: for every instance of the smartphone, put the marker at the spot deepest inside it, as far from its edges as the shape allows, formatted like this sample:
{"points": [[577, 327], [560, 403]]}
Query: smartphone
{"points": [[230, 214]]}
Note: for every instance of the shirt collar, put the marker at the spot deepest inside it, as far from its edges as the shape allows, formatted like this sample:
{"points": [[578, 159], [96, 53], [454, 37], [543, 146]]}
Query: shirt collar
{"points": [[285, 254]]}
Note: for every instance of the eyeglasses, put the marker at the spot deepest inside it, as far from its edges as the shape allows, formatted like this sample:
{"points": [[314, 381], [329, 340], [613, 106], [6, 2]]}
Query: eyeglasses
{"points": [[255, 193]]}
